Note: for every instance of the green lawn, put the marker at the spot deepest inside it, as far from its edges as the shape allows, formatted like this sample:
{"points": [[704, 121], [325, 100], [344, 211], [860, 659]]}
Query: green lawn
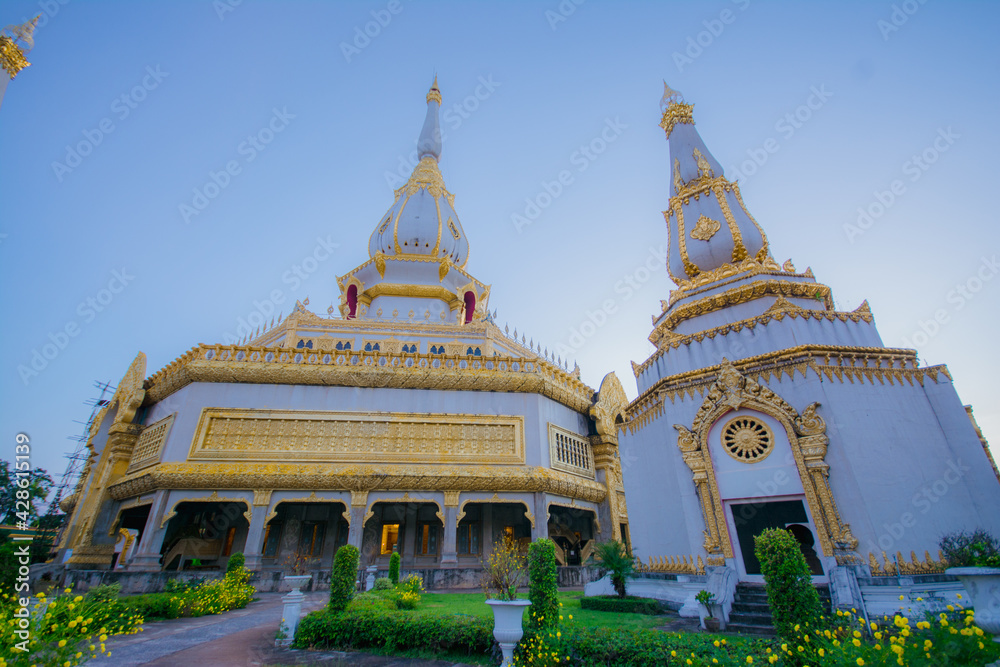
{"points": [[474, 604]]}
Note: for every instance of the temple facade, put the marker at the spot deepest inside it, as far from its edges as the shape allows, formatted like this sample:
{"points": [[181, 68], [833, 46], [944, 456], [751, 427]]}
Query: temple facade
{"points": [[764, 406], [407, 421]]}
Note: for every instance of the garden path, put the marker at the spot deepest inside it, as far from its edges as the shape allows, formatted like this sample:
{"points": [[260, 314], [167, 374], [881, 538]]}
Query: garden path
{"points": [[239, 638]]}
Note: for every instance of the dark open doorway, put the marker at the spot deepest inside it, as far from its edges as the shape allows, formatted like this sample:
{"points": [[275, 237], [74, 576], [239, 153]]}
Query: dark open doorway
{"points": [[751, 519]]}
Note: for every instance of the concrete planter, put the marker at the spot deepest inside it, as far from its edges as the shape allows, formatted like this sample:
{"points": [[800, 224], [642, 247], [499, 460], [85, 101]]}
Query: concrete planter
{"points": [[983, 586], [507, 628]]}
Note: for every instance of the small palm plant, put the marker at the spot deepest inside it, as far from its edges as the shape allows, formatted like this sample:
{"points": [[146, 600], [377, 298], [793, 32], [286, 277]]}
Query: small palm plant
{"points": [[614, 558]]}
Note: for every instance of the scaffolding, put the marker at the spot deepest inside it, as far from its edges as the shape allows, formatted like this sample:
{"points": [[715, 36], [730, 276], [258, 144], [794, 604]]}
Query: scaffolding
{"points": [[78, 458]]}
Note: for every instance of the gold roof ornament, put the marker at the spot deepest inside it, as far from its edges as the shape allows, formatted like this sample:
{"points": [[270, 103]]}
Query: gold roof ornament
{"points": [[434, 93], [15, 42], [674, 109]]}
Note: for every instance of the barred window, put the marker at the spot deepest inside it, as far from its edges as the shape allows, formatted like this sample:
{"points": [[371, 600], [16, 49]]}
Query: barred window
{"points": [[570, 452], [149, 446]]}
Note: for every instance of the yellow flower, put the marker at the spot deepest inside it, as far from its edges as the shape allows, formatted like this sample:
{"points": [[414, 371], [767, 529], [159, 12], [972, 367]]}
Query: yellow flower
{"points": [[861, 662], [62, 642], [749, 660]]}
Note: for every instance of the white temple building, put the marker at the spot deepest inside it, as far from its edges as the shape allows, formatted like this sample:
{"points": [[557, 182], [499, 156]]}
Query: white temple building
{"points": [[763, 406]]}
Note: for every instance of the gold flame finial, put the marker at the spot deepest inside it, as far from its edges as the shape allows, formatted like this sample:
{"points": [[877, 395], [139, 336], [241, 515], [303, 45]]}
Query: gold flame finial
{"points": [[674, 109], [15, 41], [669, 97], [434, 93]]}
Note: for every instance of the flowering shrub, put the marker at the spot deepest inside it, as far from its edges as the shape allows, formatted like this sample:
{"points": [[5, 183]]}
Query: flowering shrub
{"points": [[950, 638], [503, 570], [408, 592], [66, 630], [219, 595], [382, 584]]}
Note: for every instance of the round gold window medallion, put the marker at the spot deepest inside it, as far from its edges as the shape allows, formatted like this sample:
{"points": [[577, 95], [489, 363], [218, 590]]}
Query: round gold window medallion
{"points": [[747, 439]]}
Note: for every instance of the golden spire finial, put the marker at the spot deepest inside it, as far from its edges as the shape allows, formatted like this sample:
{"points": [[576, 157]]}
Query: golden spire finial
{"points": [[15, 41], [434, 93], [674, 109]]}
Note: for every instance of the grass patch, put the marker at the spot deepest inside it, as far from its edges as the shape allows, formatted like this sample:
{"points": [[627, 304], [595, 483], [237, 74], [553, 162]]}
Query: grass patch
{"points": [[474, 604]]}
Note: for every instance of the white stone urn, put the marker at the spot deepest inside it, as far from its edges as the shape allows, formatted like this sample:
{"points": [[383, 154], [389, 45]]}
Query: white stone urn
{"points": [[983, 586], [297, 581], [507, 628], [292, 608]]}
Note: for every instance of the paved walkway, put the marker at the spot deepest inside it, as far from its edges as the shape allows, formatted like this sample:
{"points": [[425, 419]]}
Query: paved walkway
{"points": [[241, 638]]}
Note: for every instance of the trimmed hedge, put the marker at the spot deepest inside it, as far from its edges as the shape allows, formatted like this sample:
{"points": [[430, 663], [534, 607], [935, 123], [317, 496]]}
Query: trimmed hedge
{"points": [[394, 630], [791, 595], [543, 585], [627, 605], [652, 648], [394, 568], [345, 573]]}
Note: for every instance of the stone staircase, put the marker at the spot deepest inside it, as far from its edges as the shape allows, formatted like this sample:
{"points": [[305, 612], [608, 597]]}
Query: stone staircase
{"points": [[751, 615]]}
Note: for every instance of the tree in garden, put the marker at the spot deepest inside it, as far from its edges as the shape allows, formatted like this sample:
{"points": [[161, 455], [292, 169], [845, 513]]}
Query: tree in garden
{"points": [[614, 558], [394, 568]]}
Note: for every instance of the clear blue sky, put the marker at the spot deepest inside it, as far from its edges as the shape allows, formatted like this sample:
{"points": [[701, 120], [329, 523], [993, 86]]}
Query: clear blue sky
{"points": [[346, 121]]}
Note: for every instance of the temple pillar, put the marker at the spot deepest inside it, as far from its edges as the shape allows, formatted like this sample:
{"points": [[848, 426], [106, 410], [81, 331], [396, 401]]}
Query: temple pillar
{"points": [[412, 546], [254, 547], [356, 523], [449, 547], [147, 552], [541, 527], [487, 511]]}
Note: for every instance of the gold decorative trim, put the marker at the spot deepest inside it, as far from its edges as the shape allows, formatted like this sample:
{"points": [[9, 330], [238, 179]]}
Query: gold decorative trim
{"points": [[747, 440], [496, 499], [357, 368], [11, 57], [306, 435], [412, 291], [843, 364], [404, 499], [891, 567], [705, 229], [739, 248], [357, 477], [311, 498], [742, 294], [673, 564], [807, 436], [776, 313], [676, 113], [213, 498]]}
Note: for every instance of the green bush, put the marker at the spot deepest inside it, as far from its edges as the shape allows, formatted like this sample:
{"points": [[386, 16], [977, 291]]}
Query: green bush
{"points": [[156, 605], [626, 605], [791, 595], [373, 627], [345, 573], [543, 585], [394, 568], [382, 584], [970, 549], [614, 557], [236, 561], [105, 592]]}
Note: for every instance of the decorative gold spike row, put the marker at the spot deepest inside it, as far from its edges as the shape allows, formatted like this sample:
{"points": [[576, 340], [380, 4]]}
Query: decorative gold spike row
{"points": [[667, 340], [891, 568], [675, 565], [744, 294], [718, 277], [11, 57]]}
